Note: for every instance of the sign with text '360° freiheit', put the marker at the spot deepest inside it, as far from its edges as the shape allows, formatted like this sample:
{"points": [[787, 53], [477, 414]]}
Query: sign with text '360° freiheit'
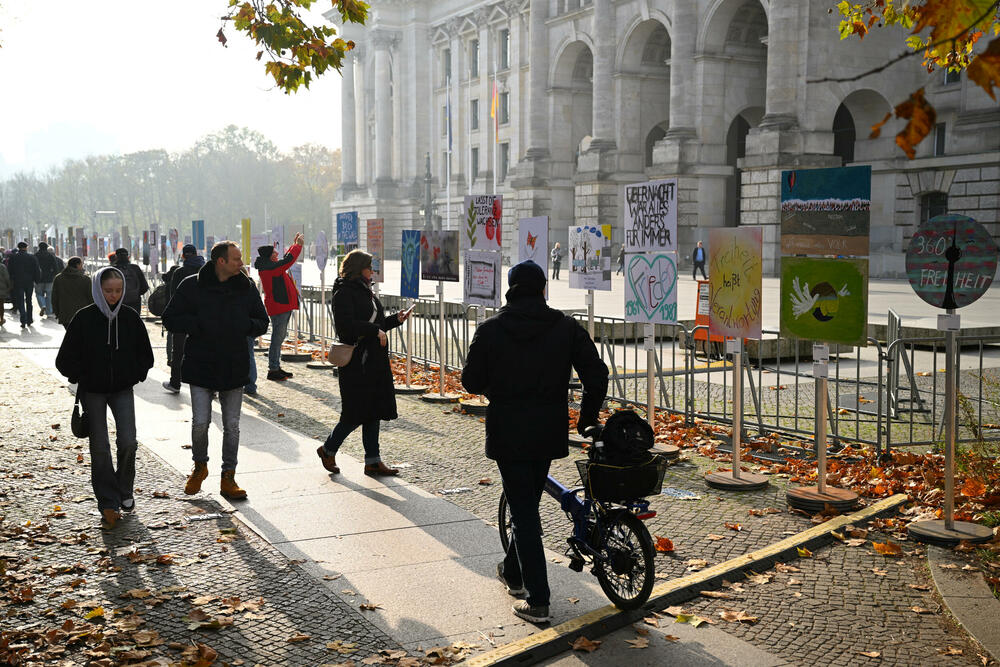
{"points": [[951, 261]]}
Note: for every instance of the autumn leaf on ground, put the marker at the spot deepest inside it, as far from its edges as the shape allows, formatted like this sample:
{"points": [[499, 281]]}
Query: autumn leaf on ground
{"points": [[369, 606], [581, 643], [651, 620], [855, 542], [763, 512], [921, 610], [664, 545], [888, 548], [331, 577], [803, 552], [920, 587], [715, 538], [734, 526], [695, 564], [638, 642], [785, 568], [344, 648], [950, 650], [870, 654], [737, 616], [672, 638], [716, 594], [96, 612], [485, 481], [758, 579], [690, 619], [973, 487], [879, 571], [299, 637]]}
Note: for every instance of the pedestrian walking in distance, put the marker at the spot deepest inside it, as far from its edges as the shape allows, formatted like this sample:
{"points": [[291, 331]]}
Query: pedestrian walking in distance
{"points": [[48, 267], [556, 256], [191, 263], [366, 385], [217, 308], [135, 280], [24, 273], [5, 289], [698, 256], [621, 260], [106, 352], [280, 299], [520, 359], [71, 290]]}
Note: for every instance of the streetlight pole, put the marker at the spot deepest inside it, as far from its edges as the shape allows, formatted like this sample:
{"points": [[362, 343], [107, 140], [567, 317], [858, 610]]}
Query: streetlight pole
{"points": [[428, 201]]}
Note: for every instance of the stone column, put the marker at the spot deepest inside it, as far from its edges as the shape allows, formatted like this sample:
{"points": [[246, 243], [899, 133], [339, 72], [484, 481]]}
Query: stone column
{"points": [[514, 81], [538, 75], [348, 125], [383, 109], [603, 123], [784, 44], [486, 144]]}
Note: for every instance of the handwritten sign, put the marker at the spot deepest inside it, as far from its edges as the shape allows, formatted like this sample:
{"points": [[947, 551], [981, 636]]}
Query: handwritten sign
{"points": [[826, 211], [439, 256], [483, 222], [376, 247], [951, 261], [347, 232], [409, 279], [482, 278], [651, 288], [651, 216], [735, 281], [590, 258]]}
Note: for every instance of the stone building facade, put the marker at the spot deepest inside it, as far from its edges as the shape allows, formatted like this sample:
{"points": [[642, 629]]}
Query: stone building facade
{"points": [[596, 94]]}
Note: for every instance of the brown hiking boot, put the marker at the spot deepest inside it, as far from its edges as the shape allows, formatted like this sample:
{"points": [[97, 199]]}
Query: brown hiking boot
{"points": [[197, 476], [229, 488], [380, 468], [329, 462], [109, 518]]}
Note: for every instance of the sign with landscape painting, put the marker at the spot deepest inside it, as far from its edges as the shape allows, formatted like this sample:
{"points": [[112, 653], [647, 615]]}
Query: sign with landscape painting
{"points": [[483, 222], [735, 281], [409, 275], [825, 299], [376, 247], [481, 286], [826, 211], [651, 288], [439, 256], [347, 232], [651, 216], [590, 257], [951, 261]]}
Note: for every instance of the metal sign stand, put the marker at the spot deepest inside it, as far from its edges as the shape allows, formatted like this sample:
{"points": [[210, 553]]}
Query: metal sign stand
{"points": [[947, 531], [441, 396], [649, 343], [736, 479], [816, 498]]}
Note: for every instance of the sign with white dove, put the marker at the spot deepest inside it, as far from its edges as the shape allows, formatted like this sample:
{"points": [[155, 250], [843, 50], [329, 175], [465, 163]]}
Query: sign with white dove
{"points": [[825, 299]]}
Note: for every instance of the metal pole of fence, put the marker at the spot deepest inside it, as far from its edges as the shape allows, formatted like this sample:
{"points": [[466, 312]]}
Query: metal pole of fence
{"points": [[590, 313], [737, 350], [820, 371], [440, 291], [409, 345], [950, 391], [650, 379]]}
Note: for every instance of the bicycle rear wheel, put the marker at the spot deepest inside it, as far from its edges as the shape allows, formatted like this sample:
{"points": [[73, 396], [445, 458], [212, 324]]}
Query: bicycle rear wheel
{"points": [[625, 568], [503, 522]]}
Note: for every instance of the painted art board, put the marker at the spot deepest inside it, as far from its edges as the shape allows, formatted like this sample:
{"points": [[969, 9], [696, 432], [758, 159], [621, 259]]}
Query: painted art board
{"points": [[533, 241], [347, 232], [825, 300], [735, 281], [927, 263], [651, 288], [409, 277], [481, 286], [826, 211], [651, 216], [439, 256], [376, 247], [483, 222], [589, 250]]}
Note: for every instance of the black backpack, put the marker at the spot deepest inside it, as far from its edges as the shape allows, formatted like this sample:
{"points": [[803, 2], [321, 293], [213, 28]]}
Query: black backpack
{"points": [[627, 439], [156, 303]]}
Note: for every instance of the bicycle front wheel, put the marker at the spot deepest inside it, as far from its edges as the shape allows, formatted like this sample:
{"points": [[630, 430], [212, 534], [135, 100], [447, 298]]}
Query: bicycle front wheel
{"points": [[625, 568], [503, 522]]}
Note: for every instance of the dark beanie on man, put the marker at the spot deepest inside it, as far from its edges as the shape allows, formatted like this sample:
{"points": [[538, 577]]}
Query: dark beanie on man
{"points": [[43, 246], [525, 279], [22, 246], [189, 250], [265, 251], [121, 253]]}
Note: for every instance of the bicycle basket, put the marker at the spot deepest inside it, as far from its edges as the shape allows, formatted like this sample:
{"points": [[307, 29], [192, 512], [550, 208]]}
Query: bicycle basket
{"points": [[617, 484]]}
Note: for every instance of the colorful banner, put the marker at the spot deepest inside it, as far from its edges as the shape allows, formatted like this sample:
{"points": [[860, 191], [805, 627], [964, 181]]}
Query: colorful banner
{"points": [[826, 211], [483, 222], [735, 281], [439, 256], [248, 252], [651, 216], [590, 258], [481, 286], [347, 232], [198, 234], [825, 299], [409, 278], [651, 288], [376, 247]]}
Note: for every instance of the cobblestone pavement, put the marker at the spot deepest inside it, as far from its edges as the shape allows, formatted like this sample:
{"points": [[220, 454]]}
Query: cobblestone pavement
{"points": [[177, 561], [850, 600]]}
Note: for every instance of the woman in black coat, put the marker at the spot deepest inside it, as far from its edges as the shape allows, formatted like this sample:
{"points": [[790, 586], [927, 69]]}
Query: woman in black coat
{"points": [[106, 351], [366, 385]]}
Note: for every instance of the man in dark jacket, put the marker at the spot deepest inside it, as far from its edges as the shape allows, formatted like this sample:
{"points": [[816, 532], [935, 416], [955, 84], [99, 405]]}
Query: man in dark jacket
{"points": [[191, 263], [24, 273], [280, 299], [135, 280], [520, 359], [71, 291], [48, 268], [217, 308]]}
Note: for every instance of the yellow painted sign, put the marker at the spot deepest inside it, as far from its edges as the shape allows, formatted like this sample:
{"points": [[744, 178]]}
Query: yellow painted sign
{"points": [[734, 277]]}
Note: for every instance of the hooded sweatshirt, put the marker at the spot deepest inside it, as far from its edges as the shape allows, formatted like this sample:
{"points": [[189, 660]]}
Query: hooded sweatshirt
{"points": [[280, 295], [106, 348]]}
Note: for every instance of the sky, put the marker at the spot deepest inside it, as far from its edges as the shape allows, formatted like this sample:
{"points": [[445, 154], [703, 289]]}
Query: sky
{"points": [[117, 76]]}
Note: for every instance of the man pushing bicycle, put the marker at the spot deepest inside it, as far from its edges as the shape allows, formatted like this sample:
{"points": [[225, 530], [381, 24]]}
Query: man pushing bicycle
{"points": [[520, 359]]}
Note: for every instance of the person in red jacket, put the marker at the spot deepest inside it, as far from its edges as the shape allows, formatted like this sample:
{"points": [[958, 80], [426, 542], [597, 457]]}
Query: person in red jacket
{"points": [[280, 299]]}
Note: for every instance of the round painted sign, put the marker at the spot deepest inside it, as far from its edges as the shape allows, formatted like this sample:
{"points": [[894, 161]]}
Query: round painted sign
{"points": [[322, 250], [951, 261]]}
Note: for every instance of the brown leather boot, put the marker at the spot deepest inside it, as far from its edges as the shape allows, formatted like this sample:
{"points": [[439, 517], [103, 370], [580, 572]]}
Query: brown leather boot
{"points": [[380, 468], [109, 518], [229, 488], [329, 462], [197, 476]]}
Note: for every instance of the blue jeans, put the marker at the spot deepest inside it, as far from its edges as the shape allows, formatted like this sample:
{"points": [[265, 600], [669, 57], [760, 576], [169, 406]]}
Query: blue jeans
{"points": [[111, 486], [21, 296], [201, 417], [251, 385], [523, 484], [43, 292], [369, 438], [279, 329]]}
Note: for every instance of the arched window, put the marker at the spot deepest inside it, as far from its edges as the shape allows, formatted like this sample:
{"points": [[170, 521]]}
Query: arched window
{"points": [[844, 134], [654, 135], [657, 49]]}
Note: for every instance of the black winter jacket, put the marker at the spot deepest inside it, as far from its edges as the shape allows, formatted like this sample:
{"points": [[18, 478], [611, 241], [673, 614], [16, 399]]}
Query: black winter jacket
{"points": [[23, 269], [47, 265], [366, 385], [85, 355], [135, 285], [217, 318], [188, 268], [520, 360]]}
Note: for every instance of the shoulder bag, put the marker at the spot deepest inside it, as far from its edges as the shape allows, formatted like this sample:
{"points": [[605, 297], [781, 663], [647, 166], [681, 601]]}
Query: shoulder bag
{"points": [[341, 353], [80, 421]]}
